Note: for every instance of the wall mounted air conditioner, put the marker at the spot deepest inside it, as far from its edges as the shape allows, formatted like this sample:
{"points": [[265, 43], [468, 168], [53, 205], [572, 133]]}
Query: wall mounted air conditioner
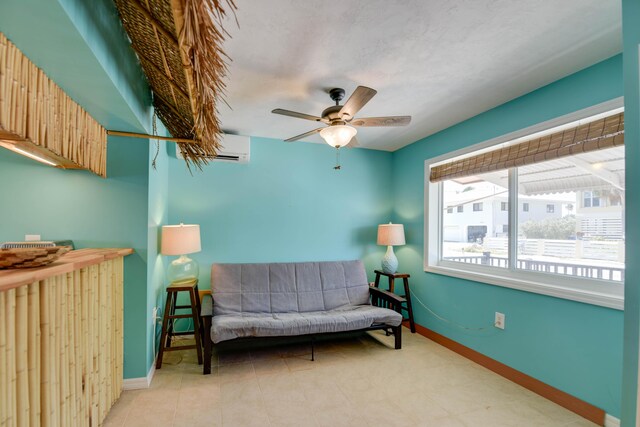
{"points": [[235, 149]]}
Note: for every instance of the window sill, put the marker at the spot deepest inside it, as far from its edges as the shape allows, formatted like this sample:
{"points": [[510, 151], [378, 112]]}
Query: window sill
{"points": [[609, 300]]}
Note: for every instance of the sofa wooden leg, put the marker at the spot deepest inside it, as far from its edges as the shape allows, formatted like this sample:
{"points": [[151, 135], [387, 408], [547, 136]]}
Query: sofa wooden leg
{"points": [[207, 346], [313, 352], [397, 333]]}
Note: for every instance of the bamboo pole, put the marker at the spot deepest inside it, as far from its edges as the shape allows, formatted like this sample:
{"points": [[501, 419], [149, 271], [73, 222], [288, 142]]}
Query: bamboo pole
{"points": [[84, 280], [4, 372], [70, 345], [120, 323], [103, 332], [145, 136], [21, 358], [177, 9], [77, 348], [111, 331], [3, 87], [55, 337], [34, 353], [11, 355], [95, 344], [63, 338], [47, 349]]}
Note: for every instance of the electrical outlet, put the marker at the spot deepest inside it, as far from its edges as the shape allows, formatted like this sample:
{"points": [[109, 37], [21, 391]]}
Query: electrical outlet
{"points": [[499, 321]]}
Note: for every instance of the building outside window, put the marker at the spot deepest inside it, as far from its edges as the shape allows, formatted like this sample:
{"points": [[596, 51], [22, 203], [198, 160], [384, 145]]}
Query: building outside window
{"points": [[504, 206], [551, 208], [525, 207], [460, 209], [477, 207]]}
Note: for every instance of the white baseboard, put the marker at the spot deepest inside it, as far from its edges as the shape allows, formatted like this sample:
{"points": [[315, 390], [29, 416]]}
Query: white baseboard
{"points": [[611, 421], [142, 382]]}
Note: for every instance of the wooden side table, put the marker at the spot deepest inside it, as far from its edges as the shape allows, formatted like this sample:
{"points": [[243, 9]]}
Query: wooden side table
{"points": [[407, 293], [170, 315]]}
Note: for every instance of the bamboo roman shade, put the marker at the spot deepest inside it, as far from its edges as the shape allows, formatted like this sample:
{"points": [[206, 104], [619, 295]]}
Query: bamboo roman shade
{"points": [[597, 135], [38, 118]]}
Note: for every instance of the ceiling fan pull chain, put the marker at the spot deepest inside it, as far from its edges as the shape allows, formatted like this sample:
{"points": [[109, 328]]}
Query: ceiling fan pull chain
{"points": [[337, 166]]}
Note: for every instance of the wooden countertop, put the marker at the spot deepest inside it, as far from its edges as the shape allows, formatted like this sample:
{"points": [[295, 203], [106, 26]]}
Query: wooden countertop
{"points": [[71, 261]]}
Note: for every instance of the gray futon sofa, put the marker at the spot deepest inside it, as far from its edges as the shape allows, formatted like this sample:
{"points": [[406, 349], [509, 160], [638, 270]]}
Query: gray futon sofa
{"points": [[286, 299]]}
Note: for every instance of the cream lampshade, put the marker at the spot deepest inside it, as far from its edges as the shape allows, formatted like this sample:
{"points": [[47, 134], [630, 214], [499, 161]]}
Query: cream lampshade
{"points": [[181, 240], [390, 235]]}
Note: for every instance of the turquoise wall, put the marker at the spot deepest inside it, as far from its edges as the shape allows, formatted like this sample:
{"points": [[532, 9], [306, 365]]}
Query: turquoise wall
{"points": [[572, 346], [158, 216], [126, 94], [287, 204], [81, 46], [93, 212], [631, 73]]}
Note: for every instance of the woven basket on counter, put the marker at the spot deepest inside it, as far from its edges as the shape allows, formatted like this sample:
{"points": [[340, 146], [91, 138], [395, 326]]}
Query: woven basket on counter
{"points": [[30, 257]]}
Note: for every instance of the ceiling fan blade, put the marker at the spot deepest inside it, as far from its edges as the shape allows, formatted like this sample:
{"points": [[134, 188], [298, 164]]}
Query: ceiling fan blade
{"points": [[382, 121], [304, 135], [353, 143], [298, 115], [357, 100]]}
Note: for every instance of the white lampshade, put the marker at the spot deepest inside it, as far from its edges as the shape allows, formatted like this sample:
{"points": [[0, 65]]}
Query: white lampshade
{"points": [[391, 234], [180, 239], [338, 135]]}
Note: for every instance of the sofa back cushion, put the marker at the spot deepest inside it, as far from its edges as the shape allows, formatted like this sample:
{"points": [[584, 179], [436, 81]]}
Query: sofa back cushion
{"points": [[288, 287]]}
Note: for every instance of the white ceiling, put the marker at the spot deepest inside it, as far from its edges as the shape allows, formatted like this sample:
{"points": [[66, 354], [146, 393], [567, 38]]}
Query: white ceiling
{"points": [[438, 61]]}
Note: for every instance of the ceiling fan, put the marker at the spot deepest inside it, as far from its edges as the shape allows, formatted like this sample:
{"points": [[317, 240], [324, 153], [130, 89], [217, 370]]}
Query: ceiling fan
{"points": [[341, 120]]}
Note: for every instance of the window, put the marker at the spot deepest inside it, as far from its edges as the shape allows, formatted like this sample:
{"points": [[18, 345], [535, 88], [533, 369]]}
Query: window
{"points": [[615, 200], [567, 240], [591, 199], [460, 209], [449, 210]]}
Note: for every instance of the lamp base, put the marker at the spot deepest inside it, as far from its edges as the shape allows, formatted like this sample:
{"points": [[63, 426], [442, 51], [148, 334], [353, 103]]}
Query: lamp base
{"points": [[182, 269], [389, 262]]}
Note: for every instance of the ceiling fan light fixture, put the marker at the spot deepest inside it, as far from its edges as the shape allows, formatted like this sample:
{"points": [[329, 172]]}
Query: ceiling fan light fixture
{"points": [[338, 135]]}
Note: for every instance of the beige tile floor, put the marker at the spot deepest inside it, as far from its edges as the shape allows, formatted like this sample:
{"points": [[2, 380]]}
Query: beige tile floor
{"points": [[355, 381]]}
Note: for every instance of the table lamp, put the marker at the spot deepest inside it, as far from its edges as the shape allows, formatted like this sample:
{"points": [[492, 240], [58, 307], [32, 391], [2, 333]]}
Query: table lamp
{"points": [[390, 235], [181, 240]]}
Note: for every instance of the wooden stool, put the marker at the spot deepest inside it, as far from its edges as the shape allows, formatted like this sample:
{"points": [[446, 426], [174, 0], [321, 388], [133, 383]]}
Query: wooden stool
{"points": [[407, 293], [190, 286]]}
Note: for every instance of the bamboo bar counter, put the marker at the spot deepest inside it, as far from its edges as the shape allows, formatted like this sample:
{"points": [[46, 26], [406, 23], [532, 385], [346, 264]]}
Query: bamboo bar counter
{"points": [[61, 340]]}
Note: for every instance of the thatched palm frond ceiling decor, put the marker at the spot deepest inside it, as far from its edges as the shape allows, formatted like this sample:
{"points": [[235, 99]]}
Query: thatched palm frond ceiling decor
{"points": [[179, 44], [39, 120]]}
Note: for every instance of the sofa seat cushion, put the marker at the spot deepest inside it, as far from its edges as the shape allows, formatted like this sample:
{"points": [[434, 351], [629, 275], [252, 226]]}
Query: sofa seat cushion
{"points": [[241, 325]]}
